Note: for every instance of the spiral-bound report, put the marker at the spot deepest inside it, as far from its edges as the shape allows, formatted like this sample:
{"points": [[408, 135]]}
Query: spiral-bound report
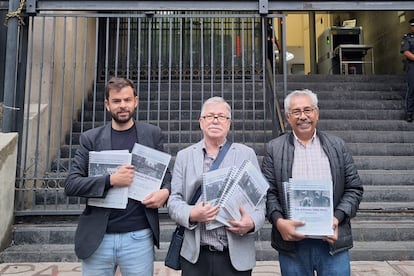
{"points": [[310, 201], [231, 188]]}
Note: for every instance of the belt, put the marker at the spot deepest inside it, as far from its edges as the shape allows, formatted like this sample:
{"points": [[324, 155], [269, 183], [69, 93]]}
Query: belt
{"points": [[213, 249]]}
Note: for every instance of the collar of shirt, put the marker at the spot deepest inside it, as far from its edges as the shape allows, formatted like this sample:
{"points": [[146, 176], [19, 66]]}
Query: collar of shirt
{"points": [[300, 142], [205, 150]]}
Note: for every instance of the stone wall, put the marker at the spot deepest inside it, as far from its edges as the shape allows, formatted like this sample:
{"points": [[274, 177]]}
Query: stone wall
{"points": [[8, 159]]}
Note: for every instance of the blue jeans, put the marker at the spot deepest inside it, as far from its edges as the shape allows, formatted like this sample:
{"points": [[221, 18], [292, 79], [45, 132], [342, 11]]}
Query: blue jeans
{"points": [[312, 256], [133, 252]]}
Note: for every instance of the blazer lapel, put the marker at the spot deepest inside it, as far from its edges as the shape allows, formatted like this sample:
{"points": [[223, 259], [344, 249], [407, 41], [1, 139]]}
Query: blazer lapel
{"points": [[104, 142], [198, 158]]}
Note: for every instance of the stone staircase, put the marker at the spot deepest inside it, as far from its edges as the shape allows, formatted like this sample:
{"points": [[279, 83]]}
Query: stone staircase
{"points": [[366, 111]]}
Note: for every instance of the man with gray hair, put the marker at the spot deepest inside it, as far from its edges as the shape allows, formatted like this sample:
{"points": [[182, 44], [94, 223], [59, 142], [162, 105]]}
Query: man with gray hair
{"points": [[224, 250], [308, 154]]}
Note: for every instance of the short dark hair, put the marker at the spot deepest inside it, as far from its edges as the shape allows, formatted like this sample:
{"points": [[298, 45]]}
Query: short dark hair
{"points": [[117, 84]]}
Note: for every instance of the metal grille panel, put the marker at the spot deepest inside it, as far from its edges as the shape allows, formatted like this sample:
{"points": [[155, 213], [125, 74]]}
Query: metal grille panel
{"points": [[176, 60]]}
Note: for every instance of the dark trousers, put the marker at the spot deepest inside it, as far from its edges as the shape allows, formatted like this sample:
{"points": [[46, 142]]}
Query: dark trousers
{"points": [[409, 97], [211, 263]]}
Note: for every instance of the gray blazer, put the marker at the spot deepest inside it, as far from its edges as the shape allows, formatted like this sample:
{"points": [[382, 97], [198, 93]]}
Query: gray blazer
{"points": [[93, 221], [188, 168]]}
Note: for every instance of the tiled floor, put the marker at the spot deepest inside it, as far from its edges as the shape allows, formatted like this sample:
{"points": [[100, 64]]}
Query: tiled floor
{"points": [[390, 268]]}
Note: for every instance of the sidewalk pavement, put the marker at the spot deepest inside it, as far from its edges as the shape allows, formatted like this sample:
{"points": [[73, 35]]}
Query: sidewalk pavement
{"points": [[263, 268]]}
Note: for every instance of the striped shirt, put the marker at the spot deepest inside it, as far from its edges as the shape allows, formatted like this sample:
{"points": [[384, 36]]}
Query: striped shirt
{"points": [[217, 238]]}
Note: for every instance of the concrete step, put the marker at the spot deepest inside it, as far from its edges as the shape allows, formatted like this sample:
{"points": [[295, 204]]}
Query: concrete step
{"points": [[367, 149], [382, 251], [384, 162], [362, 251], [348, 79], [344, 95], [37, 253], [378, 149], [356, 124], [381, 177], [361, 114], [181, 134], [386, 206], [374, 136], [396, 193], [365, 228], [327, 85], [360, 104]]}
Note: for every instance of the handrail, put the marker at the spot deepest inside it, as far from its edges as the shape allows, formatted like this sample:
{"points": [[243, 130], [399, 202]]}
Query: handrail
{"points": [[274, 103]]}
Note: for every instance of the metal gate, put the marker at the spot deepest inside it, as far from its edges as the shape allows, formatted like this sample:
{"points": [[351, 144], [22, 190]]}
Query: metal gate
{"points": [[176, 59]]}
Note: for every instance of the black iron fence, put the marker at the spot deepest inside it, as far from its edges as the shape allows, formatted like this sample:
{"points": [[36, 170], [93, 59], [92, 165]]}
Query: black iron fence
{"points": [[177, 60]]}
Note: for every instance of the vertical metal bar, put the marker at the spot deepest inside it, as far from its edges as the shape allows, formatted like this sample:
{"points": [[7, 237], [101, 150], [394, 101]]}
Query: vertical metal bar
{"points": [[180, 80], [243, 79], [191, 80], [39, 101], [63, 78], [128, 46], [312, 42], [212, 67], [29, 91], [74, 70], [117, 36], [159, 68], [31, 172], [233, 56], [253, 78], [170, 32], [95, 73], [202, 57], [10, 74], [263, 69], [222, 58], [139, 65], [52, 75], [84, 89], [284, 56], [149, 47]]}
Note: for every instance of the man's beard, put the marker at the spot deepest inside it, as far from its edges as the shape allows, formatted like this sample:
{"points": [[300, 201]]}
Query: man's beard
{"points": [[124, 120]]}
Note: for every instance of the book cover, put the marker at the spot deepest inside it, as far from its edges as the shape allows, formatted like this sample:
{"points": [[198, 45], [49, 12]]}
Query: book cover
{"points": [[213, 186], [248, 189], [150, 168], [105, 163], [311, 201]]}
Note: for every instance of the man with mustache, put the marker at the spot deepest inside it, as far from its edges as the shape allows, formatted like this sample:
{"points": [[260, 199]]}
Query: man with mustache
{"points": [[110, 238], [224, 250], [310, 154]]}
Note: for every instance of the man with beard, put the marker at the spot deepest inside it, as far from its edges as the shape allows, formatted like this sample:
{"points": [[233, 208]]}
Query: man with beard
{"points": [[106, 238], [310, 154]]}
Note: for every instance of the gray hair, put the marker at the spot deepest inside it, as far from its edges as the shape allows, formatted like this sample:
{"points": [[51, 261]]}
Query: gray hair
{"points": [[215, 100], [307, 92]]}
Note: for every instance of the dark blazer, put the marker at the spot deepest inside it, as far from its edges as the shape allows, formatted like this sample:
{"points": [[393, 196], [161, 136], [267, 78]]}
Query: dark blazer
{"points": [[93, 221]]}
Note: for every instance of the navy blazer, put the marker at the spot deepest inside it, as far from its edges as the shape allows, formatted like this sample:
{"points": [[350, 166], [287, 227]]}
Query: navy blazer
{"points": [[93, 221]]}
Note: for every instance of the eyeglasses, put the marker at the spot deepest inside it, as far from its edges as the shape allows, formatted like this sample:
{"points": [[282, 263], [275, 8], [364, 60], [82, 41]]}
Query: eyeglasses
{"points": [[297, 112], [220, 118]]}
